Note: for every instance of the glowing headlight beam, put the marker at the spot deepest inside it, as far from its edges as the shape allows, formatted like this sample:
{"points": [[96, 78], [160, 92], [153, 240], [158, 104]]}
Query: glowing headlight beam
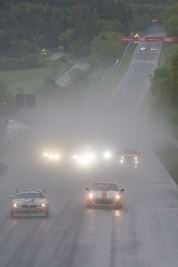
{"points": [[107, 155]]}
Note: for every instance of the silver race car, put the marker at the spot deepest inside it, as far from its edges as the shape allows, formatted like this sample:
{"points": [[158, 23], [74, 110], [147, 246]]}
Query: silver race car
{"points": [[30, 202], [129, 157], [104, 194]]}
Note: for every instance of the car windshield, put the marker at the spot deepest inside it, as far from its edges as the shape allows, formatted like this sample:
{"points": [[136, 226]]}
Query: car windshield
{"points": [[129, 151], [104, 187], [29, 195]]}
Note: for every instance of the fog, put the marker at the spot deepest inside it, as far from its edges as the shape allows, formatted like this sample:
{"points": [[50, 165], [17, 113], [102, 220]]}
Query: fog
{"points": [[143, 233]]}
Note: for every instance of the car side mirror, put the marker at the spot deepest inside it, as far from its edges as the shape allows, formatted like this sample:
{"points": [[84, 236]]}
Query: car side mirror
{"points": [[122, 190], [87, 188], [12, 197]]}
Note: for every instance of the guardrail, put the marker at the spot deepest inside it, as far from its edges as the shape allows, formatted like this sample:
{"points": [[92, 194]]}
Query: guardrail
{"points": [[97, 88]]}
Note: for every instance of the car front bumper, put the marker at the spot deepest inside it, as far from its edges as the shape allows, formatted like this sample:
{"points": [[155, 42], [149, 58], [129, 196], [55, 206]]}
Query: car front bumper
{"points": [[104, 202], [22, 212]]}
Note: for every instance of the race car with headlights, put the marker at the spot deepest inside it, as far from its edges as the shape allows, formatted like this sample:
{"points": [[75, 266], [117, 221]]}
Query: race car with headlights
{"points": [[30, 202], [104, 194], [129, 157], [92, 154], [51, 155]]}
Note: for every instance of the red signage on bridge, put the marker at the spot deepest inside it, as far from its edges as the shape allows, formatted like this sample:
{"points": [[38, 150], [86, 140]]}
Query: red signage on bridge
{"points": [[148, 39]]}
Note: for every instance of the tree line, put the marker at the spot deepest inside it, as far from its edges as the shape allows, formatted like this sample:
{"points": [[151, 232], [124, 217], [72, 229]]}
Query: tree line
{"points": [[164, 82], [80, 27]]}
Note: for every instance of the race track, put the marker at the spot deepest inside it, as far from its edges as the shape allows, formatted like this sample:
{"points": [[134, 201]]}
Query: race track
{"points": [[144, 233]]}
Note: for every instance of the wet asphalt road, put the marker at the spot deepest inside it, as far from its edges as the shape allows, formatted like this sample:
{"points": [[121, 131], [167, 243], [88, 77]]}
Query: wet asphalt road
{"points": [[144, 233]]}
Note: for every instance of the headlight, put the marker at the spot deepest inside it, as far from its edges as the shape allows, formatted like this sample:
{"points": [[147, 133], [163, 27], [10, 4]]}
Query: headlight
{"points": [[121, 161], [43, 205], [117, 196], [136, 161], [83, 160], [136, 158], [107, 155], [90, 195], [15, 205], [91, 156], [51, 156], [86, 158]]}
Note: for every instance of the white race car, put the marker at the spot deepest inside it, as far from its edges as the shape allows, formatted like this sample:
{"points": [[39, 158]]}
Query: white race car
{"points": [[142, 48], [129, 157], [104, 194], [30, 202]]}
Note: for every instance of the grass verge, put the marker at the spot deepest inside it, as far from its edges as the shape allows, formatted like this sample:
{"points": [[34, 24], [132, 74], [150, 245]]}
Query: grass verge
{"points": [[164, 150], [111, 84], [28, 80], [167, 154]]}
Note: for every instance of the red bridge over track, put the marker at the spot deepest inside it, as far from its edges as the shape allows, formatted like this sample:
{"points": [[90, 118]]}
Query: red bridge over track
{"points": [[148, 39]]}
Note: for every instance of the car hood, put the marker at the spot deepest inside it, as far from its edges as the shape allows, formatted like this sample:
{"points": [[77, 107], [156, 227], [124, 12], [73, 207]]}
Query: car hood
{"points": [[104, 194]]}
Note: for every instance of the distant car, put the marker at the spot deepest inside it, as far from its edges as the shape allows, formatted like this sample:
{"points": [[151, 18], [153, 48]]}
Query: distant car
{"points": [[52, 155], [91, 154], [142, 48], [44, 52], [129, 157], [136, 35], [30, 202], [104, 194], [153, 49]]}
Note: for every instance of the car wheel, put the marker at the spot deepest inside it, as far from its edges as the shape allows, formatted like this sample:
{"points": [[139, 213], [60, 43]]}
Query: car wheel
{"points": [[47, 212], [88, 205], [12, 215], [119, 206]]}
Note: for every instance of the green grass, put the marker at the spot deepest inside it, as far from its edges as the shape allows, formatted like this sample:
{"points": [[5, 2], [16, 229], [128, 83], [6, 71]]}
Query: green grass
{"points": [[111, 84], [96, 76], [167, 153], [163, 54], [29, 80]]}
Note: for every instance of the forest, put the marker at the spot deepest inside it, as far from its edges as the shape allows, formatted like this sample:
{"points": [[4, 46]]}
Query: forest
{"points": [[82, 28], [164, 82]]}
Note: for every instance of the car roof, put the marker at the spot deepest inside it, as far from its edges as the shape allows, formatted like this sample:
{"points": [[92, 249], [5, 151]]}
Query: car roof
{"points": [[29, 190], [104, 183], [129, 150]]}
